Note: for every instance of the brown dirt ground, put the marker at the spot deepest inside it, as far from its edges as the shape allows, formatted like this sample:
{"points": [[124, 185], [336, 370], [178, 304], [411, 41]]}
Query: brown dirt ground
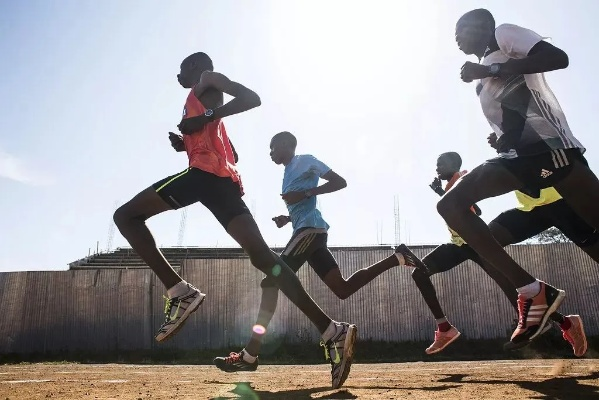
{"points": [[540, 379]]}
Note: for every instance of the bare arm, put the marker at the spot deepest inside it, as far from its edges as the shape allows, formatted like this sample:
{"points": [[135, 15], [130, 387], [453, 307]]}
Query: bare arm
{"points": [[244, 99], [334, 183]]}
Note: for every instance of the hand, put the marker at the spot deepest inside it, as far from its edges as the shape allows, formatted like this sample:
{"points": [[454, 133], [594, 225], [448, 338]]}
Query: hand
{"points": [[492, 140], [471, 71], [176, 141], [436, 185], [281, 220], [193, 124], [293, 197]]}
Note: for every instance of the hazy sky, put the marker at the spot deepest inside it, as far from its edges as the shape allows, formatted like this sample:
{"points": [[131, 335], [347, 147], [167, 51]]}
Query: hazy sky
{"points": [[89, 94]]}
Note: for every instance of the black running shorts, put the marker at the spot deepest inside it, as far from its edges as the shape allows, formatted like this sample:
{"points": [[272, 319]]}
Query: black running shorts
{"points": [[220, 195], [541, 170], [523, 225], [307, 245]]}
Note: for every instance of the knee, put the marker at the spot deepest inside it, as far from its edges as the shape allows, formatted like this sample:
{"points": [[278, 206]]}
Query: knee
{"points": [[341, 293], [445, 206], [121, 216], [260, 256], [451, 206]]}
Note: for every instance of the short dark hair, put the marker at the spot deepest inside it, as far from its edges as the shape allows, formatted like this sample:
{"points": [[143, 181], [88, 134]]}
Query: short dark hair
{"points": [[287, 137], [200, 58], [454, 159], [479, 15]]}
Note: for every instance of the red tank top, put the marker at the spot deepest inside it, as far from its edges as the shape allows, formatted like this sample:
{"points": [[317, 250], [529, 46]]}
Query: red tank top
{"points": [[209, 149]]}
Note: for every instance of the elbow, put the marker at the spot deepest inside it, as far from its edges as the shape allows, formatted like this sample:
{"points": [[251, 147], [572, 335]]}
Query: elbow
{"points": [[565, 61], [254, 100], [561, 59], [342, 183]]}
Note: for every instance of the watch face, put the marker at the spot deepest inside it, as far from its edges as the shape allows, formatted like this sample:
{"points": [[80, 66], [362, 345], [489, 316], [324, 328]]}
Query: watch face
{"points": [[209, 113]]}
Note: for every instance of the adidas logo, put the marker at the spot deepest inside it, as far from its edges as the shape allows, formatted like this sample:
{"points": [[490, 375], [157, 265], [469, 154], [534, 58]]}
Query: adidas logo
{"points": [[545, 173]]}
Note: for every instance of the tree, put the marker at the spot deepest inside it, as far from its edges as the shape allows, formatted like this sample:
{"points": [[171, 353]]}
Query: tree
{"points": [[551, 235]]}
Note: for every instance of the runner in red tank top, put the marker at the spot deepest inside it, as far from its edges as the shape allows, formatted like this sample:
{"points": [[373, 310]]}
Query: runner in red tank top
{"points": [[213, 180]]}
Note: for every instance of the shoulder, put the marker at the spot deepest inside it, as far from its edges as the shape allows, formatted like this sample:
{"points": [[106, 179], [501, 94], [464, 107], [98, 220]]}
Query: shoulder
{"points": [[209, 79], [514, 40]]}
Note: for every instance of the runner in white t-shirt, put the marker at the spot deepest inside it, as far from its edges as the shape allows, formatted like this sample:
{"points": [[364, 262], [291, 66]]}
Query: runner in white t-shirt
{"points": [[535, 144]]}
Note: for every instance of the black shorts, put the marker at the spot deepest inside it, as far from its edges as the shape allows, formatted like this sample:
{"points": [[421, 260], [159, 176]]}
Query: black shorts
{"points": [[448, 256], [523, 225], [220, 195], [541, 170], [307, 244]]}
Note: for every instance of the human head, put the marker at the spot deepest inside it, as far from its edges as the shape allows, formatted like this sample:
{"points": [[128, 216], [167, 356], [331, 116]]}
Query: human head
{"points": [[474, 31], [192, 68], [282, 147], [448, 164]]}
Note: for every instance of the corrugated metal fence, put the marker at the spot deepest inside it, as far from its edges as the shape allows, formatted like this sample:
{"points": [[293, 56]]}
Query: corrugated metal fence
{"points": [[120, 309]]}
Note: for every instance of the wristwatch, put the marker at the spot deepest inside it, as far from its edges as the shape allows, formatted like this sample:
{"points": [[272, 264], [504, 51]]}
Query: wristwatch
{"points": [[308, 193], [210, 114], [494, 69]]}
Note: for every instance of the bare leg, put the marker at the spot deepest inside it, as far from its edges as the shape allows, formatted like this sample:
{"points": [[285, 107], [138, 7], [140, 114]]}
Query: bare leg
{"points": [[131, 218], [344, 288], [244, 230], [485, 181], [268, 305]]}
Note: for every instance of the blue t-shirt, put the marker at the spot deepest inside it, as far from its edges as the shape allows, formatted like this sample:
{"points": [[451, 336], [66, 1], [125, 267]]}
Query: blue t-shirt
{"points": [[301, 174]]}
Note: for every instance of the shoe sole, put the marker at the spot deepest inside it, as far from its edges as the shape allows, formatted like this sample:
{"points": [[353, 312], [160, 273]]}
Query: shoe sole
{"points": [[179, 324], [510, 346], [558, 301], [453, 339], [230, 371], [348, 354], [583, 335]]}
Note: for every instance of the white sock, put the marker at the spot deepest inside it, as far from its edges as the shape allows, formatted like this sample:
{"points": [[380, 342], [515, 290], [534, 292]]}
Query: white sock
{"points": [[530, 290], [401, 259], [247, 357], [330, 332], [178, 290]]}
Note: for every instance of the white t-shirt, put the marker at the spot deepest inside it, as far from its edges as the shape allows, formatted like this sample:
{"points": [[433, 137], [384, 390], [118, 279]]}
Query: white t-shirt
{"points": [[522, 107]]}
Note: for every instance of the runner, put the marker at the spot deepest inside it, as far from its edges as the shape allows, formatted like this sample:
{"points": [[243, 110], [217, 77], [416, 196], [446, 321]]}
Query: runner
{"points": [[537, 150], [213, 180], [308, 242]]}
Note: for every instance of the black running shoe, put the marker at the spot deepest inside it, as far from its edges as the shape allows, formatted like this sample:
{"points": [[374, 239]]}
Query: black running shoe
{"points": [[235, 363], [410, 259]]}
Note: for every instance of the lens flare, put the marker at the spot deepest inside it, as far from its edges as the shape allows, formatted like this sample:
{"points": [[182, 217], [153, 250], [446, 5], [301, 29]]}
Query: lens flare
{"points": [[259, 329]]}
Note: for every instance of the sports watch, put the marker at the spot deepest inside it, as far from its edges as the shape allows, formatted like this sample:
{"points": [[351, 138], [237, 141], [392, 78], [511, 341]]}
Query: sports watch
{"points": [[308, 193], [494, 69], [210, 114]]}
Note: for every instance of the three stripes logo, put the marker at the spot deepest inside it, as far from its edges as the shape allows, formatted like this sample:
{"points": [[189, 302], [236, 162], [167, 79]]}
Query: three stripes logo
{"points": [[559, 159]]}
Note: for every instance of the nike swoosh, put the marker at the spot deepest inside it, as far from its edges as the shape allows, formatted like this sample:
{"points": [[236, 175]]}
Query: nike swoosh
{"points": [[337, 357]]}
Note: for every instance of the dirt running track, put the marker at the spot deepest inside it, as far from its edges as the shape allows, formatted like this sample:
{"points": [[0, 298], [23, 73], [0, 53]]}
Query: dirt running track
{"points": [[531, 379]]}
